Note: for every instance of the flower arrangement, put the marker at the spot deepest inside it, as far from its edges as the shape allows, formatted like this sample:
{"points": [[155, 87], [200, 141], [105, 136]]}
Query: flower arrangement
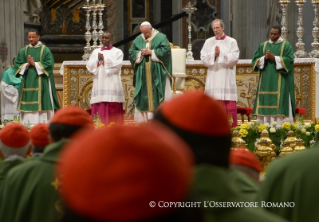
{"points": [[250, 132]]}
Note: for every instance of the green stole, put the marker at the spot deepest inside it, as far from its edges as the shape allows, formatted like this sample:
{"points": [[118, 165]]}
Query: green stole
{"points": [[275, 86], [149, 77]]}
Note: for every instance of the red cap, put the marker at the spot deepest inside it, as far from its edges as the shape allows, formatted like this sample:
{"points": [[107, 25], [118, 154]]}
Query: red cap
{"points": [[243, 156], [14, 135], [73, 115], [198, 113], [124, 169], [40, 135]]}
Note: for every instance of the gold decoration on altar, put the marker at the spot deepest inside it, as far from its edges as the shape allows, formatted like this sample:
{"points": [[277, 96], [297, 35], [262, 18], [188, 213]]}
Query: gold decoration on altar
{"points": [[236, 140], [291, 138], [264, 153], [265, 136], [299, 145], [286, 148], [174, 46], [76, 85]]}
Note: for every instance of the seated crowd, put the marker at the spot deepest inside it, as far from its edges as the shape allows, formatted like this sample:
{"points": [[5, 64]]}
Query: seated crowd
{"points": [[177, 167]]}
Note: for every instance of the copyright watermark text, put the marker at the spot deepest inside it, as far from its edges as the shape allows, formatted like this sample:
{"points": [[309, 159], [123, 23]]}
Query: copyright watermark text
{"points": [[214, 204]]}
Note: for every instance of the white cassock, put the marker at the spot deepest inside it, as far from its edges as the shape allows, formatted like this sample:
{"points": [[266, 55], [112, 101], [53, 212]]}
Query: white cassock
{"points": [[107, 83], [9, 101], [221, 72]]}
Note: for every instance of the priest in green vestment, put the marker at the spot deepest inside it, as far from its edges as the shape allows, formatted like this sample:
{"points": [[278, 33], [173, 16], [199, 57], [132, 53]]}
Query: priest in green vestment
{"points": [[38, 98], [151, 59], [275, 97]]}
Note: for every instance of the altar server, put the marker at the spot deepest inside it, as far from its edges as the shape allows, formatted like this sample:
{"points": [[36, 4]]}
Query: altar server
{"points": [[107, 95], [220, 54]]}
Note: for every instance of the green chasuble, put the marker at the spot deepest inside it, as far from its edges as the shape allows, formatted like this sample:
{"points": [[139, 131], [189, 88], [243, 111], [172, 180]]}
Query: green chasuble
{"points": [[275, 86], [247, 186], [29, 192], [215, 188], [293, 178], [8, 77], [149, 77], [35, 91], [5, 166]]}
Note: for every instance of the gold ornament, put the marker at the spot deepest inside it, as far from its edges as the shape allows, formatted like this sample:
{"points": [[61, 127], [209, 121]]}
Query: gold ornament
{"points": [[264, 152], [299, 145], [286, 148], [236, 140], [291, 138]]}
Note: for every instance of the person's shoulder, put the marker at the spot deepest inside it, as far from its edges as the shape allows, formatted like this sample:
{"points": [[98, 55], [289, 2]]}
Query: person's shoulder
{"points": [[287, 43], [211, 39], [22, 169], [117, 50], [300, 161], [24, 48]]}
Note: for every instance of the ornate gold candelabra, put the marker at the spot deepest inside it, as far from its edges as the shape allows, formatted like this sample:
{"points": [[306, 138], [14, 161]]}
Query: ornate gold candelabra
{"points": [[189, 9], [315, 32], [301, 53], [284, 29]]}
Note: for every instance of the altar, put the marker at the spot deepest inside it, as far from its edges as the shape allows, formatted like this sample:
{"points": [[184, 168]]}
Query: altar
{"points": [[77, 84]]}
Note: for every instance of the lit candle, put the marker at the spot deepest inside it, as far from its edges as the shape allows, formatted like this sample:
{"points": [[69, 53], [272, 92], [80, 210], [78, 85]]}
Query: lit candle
{"points": [[300, 1]]}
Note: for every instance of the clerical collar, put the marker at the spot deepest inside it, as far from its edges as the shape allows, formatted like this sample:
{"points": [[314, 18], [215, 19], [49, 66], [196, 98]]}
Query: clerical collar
{"points": [[36, 46], [279, 40], [109, 47], [221, 38]]}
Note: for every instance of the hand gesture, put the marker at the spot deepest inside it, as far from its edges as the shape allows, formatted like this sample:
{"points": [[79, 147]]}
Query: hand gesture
{"points": [[101, 57], [270, 56], [146, 51], [217, 51], [31, 61]]}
